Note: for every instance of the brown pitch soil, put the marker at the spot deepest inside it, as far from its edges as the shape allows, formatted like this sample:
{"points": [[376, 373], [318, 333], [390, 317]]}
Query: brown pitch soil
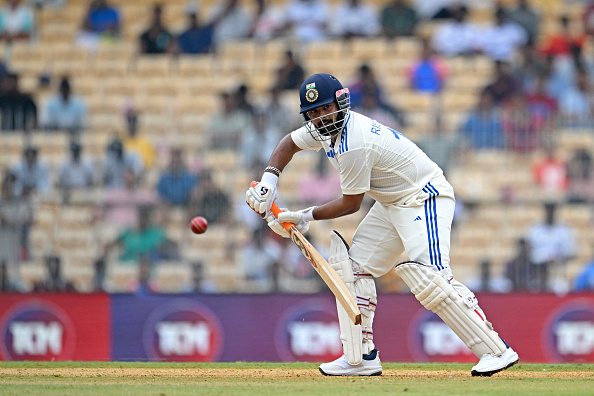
{"points": [[266, 373]]}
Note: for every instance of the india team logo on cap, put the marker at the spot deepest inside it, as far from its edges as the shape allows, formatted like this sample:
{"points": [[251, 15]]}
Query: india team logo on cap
{"points": [[311, 95]]}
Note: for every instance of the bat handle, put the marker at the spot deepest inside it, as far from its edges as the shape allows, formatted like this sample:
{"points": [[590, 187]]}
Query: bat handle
{"points": [[274, 209]]}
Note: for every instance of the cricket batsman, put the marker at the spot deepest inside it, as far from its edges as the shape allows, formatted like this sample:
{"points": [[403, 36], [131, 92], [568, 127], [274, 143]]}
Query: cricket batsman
{"points": [[412, 213]]}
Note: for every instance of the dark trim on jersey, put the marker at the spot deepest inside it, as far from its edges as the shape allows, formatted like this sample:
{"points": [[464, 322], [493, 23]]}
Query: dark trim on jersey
{"points": [[431, 223]]}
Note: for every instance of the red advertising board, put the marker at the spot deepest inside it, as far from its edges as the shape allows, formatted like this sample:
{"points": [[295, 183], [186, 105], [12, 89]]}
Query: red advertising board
{"points": [[540, 327], [55, 327]]}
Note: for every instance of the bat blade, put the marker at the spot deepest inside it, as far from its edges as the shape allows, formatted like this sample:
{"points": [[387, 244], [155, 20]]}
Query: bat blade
{"points": [[326, 272]]}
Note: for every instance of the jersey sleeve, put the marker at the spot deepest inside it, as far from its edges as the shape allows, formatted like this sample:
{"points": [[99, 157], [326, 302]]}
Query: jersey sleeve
{"points": [[355, 170], [304, 140]]}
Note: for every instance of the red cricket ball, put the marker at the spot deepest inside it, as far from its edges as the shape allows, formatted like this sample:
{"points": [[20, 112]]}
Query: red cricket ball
{"points": [[198, 225]]}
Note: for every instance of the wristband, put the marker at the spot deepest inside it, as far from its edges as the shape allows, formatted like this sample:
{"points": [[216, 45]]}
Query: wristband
{"points": [[274, 170], [269, 178]]}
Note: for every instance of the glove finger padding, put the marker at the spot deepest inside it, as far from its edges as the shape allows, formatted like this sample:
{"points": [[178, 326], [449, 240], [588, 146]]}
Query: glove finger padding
{"points": [[261, 196], [278, 228]]}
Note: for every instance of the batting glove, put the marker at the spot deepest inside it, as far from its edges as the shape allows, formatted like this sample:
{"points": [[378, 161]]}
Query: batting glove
{"points": [[261, 197], [301, 219]]}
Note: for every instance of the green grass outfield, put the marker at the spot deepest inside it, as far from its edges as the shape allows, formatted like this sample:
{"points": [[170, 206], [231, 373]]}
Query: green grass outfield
{"points": [[169, 379]]}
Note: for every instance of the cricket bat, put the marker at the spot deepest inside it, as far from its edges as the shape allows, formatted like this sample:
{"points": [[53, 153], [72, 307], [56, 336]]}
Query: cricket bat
{"points": [[326, 272]]}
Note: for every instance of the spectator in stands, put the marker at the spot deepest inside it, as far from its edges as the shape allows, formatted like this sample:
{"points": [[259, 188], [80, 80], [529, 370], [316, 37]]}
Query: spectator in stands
{"points": [[580, 175], [226, 126], [232, 21], [268, 20], [278, 114], [64, 111], [530, 67], [102, 19], [588, 18], [504, 85], [542, 106], [552, 245], [176, 181], [371, 107], [147, 240], [482, 128], [15, 214], [18, 110], [428, 73], [366, 82], [519, 269], [55, 282], [209, 200], [156, 39], [31, 174], [259, 261], [258, 141], [319, 185], [438, 9], [488, 281], [443, 148], [197, 38], [146, 284], [398, 19], [290, 74], [306, 20], [501, 40], [243, 102], [6, 283], [576, 103], [564, 41], [584, 281], [200, 283], [524, 130], [17, 22], [550, 173], [137, 144], [456, 36], [354, 18], [117, 162], [76, 172], [528, 18], [119, 205]]}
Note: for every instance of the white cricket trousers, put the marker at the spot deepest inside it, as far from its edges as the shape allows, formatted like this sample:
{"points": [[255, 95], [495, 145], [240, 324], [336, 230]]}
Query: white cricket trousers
{"points": [[420, 228]]}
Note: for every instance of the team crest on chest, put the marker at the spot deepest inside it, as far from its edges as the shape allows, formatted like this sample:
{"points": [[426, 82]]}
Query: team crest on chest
{"points": [[311, 95]]}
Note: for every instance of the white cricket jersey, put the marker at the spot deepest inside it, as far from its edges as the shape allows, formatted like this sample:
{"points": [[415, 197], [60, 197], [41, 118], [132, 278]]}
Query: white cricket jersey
{"points": [[375, 159]]}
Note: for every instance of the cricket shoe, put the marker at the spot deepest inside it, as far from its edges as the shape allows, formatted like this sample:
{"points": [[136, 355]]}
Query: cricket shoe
{"points": [[370, 365], [491, 364]]}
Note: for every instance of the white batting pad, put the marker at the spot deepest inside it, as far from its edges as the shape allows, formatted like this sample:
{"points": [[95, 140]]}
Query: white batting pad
{"points": [[462, 315], [350, 334]]}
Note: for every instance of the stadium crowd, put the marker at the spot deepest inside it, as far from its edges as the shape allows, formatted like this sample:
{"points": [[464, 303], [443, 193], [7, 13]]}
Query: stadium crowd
{"points": [[142, 186]]}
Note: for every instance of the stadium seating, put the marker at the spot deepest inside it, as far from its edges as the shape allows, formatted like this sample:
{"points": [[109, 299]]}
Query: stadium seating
{"points": [[176, 96]]}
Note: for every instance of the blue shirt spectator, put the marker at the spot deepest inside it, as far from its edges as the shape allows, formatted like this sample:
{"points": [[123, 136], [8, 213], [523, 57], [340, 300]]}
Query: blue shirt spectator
{"points": [[196, 39], [482, 128], [585, 280], [176, 182], [102, 18]]}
